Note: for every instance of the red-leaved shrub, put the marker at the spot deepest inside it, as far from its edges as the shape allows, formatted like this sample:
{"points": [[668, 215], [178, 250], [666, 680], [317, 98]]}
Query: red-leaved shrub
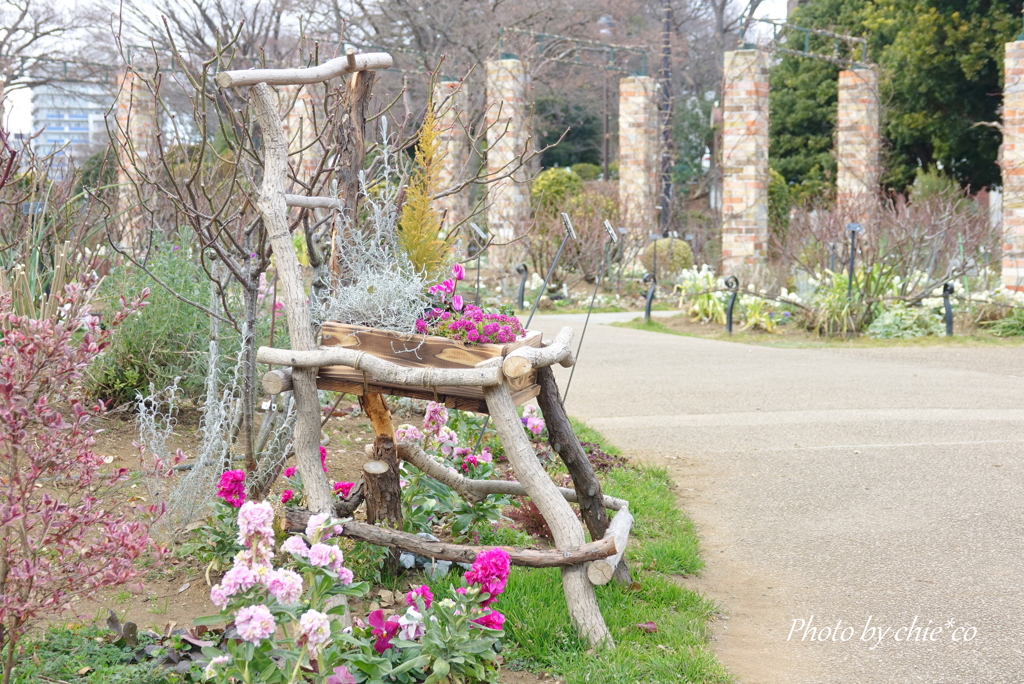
{"points": [[63, 534]]}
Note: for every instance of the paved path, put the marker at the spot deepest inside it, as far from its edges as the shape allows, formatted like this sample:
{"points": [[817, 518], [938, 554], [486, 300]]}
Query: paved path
{"points": [[881, 484]]}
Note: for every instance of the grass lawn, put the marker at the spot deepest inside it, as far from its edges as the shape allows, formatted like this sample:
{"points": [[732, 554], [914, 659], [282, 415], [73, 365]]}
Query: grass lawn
{"points": [[664, 543]]}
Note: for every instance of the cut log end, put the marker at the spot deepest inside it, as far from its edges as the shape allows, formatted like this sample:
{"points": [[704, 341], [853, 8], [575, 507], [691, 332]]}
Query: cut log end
{"points": [[375, 468], [516, 366], [277, 381]]}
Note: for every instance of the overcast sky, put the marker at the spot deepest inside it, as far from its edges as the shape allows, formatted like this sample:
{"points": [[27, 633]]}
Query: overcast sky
{"points": [[18, 105]]}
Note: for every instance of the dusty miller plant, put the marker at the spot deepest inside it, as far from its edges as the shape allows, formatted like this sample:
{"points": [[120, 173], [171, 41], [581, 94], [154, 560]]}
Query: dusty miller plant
{"points": [[378, 286]]}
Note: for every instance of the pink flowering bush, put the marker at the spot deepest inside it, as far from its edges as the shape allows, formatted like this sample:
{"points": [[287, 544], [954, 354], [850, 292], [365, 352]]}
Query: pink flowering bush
{"points": [[451, 317], [65, 529], [294, 494]]}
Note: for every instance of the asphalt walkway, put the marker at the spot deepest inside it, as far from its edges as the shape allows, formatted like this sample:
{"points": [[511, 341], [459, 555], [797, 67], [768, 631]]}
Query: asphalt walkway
{"points": [[859, 509]]}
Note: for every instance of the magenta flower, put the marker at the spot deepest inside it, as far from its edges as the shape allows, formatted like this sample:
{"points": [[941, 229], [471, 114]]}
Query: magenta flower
{"points": [[423, 592], [231, 487], [323, 457], [491, 620], [459, 271], [490, 572], [448, 286], [457, 302], [287, 495], [289, 471], [384, 631], [343, 488]]}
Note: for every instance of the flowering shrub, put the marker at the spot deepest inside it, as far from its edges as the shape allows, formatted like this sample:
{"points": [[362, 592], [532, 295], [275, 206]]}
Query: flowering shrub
{"points": [[425, 501], [215, 542], [451, 317], [286, 628], [294, 495], [62, 534]]}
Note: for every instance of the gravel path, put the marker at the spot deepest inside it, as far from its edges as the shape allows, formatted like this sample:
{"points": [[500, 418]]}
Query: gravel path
{"points": [[878, 487]]}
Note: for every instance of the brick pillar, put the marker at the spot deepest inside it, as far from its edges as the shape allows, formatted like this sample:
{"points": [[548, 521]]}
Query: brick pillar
{"points": [[450, 104], [639, 152], [508, 211], [1012, 163], [296, 106], [857, 136], [136, 128], [745, 161]]}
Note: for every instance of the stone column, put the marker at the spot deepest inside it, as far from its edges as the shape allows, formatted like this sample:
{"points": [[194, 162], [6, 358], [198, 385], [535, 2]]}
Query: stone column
{"points": [[296, 105], [508, 210], [639, 151], [450, 105], [136, 129], [857, 136], [745, 161], [1011, 159]]}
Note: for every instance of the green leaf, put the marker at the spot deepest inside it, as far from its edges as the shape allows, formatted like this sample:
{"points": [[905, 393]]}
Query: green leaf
{"points": [[211, 620]]}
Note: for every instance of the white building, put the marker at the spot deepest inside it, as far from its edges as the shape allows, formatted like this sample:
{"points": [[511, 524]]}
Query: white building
{"points": [[70, 118]]}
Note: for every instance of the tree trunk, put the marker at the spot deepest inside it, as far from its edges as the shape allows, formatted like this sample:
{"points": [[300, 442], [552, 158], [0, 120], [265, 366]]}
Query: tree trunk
{"points": [[579, 592], [351, 150], [382, 490], [271, 203]]}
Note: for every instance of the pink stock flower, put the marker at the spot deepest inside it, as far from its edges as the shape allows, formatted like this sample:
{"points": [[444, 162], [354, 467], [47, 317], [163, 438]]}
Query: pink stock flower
{"points": [[219, 597], [423, 592], [287, 495], [289, 471], [323, 457], [435, 418], [254, 623], [343, 488], [490, 571], [315, 523], [255, 522], [231, 487], [345, 576], [341, 676], [408, 433], [285, 586], [459, 271], [315, 628], [384, 631], [491, 620], [295, 546], [238, 578]]}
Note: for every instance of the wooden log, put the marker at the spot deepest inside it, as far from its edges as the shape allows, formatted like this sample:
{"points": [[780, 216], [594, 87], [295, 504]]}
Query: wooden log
{"points": [[272, 207], [317, 74], [601, 571], [565, 528], [277, 381], [565, 443], [296, 519], [346, 507], [522, 361], [383, 495], [379, 369], [477, 490], [307, 202]]}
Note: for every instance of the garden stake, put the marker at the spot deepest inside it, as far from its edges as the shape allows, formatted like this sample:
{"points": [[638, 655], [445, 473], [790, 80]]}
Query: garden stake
{"points": [[947, 290], [569, 233], [612, 239], [733, 283], [854, 228], [650, 296], [523, 270], [483, 241]]}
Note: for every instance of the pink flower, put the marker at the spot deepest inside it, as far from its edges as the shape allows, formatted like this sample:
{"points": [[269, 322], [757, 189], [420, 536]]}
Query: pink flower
{"points": [[295, 546], [408, 433], [435, 418], [422, 329], [219, 597], [448, 286], [485, 455], [238, 578], [343, 488], [457, 302], [315, 523], [490, 571], [345, 576], [491, 620], [289, 471], [384, 631], [323, 555], [323, 457], [287, 495], [315, 628], [535, 425], [255, 521], [423, 592], [341, 676], [231, 487], [459, 271], [254, 623], [285, 586]]}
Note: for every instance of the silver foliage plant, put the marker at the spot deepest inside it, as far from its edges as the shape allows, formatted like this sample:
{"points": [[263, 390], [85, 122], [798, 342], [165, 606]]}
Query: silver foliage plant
{"points": [[192, 492], [379, 287]]}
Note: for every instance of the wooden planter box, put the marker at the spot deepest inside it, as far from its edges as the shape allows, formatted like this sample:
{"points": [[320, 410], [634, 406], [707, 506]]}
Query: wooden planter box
{"points": [[418, 351]]}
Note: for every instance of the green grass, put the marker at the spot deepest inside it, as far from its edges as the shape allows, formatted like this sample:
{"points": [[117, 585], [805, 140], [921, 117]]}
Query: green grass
{"points": [[539, 635], [972, 339], [63, 652]]}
